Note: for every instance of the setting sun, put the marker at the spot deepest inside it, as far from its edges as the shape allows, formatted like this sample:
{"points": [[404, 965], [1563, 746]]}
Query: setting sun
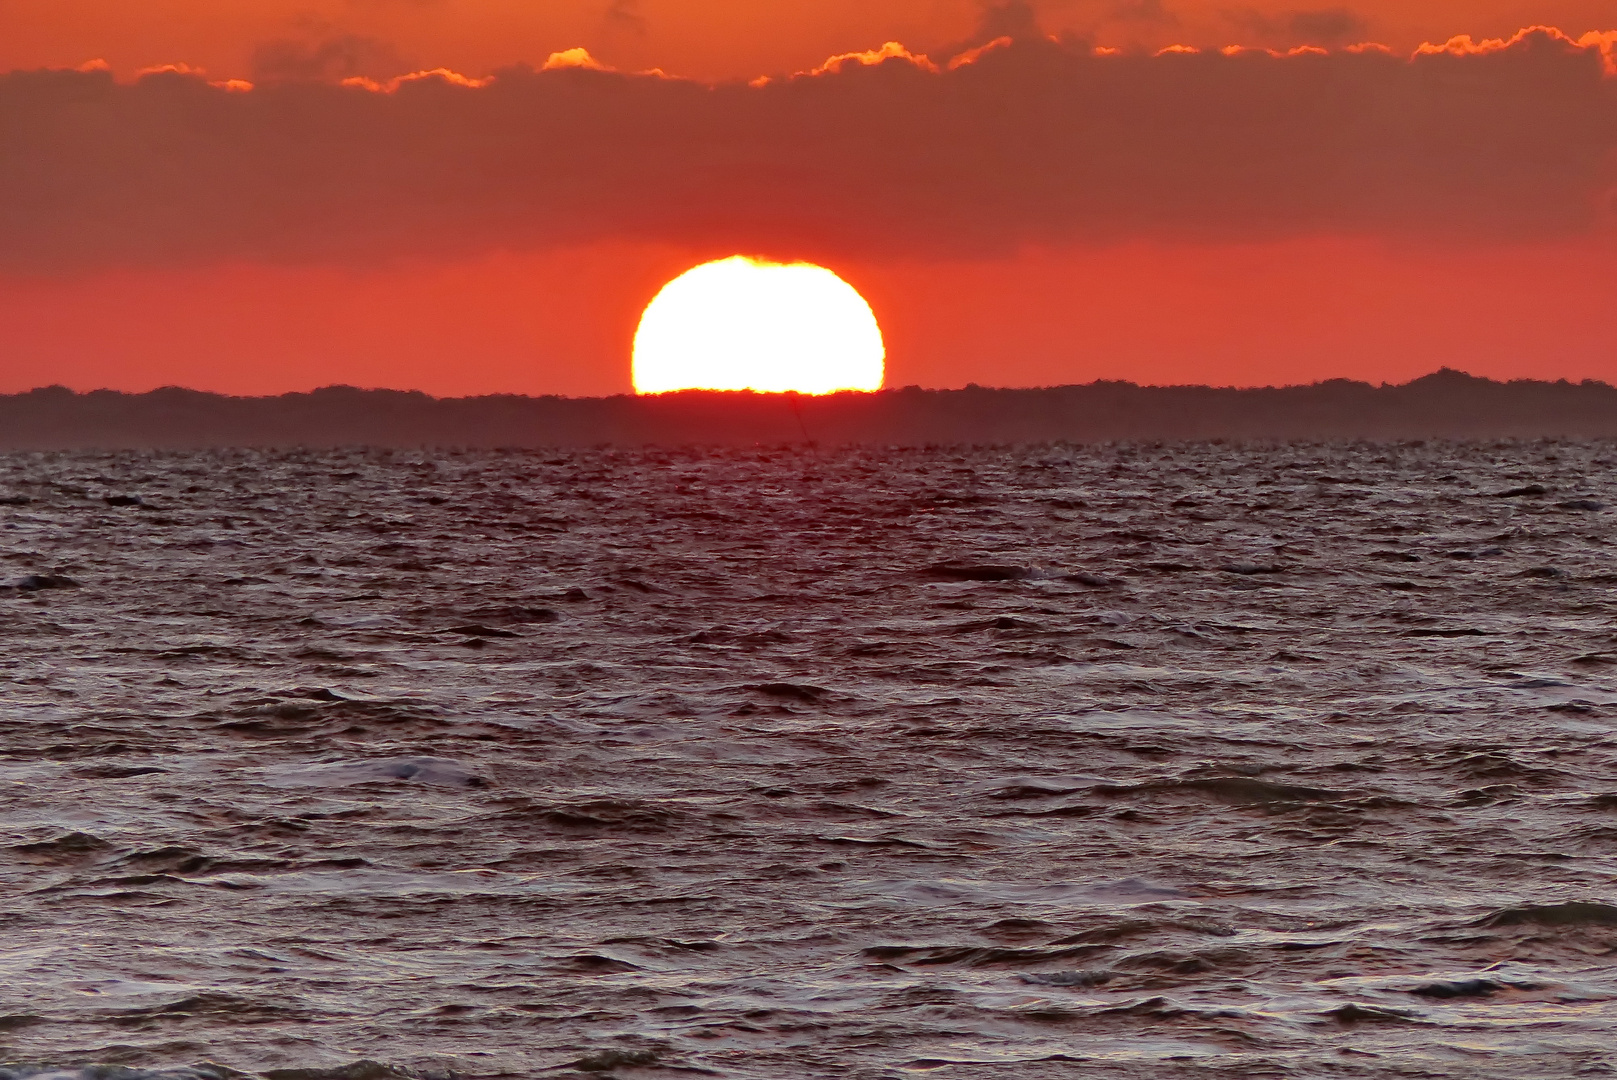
{"points": [[747, 324]]}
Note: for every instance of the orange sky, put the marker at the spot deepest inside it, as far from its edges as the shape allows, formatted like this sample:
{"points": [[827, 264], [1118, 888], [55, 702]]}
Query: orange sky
{"points": [[1040, 216], [561, 322], [705, 39]]}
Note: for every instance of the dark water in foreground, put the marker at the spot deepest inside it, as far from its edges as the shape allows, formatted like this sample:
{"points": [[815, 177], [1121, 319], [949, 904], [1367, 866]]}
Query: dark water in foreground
{"points": [[1189, 761]]}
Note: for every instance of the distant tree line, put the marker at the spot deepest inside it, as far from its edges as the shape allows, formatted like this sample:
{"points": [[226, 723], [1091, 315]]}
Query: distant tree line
{"points": [[1444, 405]]}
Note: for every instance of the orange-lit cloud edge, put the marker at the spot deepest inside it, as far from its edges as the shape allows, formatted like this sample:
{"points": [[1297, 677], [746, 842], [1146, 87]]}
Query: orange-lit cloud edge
{"points": [[580, 59]]}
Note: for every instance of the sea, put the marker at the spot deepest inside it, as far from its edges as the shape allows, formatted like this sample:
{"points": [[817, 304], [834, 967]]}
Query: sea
{"points": [[1166, 760]]}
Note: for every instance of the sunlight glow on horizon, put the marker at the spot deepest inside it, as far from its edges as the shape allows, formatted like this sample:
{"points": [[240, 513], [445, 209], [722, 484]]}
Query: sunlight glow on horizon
{"points": [[748, 324]]}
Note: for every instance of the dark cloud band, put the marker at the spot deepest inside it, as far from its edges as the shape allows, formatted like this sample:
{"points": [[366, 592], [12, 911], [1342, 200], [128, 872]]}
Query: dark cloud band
{"points": [[1033, 142]]}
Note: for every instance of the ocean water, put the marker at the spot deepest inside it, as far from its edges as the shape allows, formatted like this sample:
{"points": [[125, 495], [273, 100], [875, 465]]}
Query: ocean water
{"points": [[1120, 761]]}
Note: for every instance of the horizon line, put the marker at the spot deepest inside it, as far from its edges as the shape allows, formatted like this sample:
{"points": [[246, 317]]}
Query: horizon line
{"points": [[57, 389]]}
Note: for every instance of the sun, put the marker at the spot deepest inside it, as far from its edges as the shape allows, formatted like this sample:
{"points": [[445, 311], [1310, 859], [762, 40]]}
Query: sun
{"points": [[747, 324]]}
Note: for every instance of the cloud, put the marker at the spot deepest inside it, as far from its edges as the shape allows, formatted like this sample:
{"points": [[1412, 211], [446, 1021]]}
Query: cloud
{"points": [[1014, 19], [1322, 26], [997, 20], [1034, 142], [1330, 26], [342, 56], [1142, 11], [626, 15]]}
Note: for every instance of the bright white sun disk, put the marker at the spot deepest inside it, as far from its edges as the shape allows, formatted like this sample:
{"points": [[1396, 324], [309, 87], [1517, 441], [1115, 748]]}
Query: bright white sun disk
{"points": [[746, 324]]}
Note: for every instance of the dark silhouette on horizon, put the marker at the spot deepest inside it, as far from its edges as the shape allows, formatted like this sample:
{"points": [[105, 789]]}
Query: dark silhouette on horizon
{"points": [[1444, 405]]}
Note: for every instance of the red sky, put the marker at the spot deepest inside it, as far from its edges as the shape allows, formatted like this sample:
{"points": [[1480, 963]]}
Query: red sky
{"points": [[1041, 215]]}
